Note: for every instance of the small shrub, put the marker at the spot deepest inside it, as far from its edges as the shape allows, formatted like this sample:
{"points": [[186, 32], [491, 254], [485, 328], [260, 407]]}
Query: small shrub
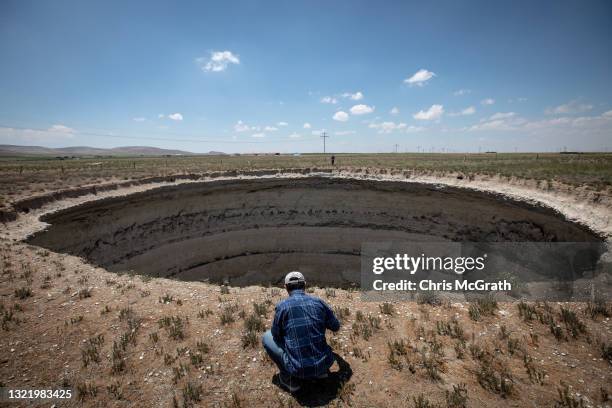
{"points": [[174, 326], [460, 349], [249, 339], [572, 323], [202, 347], [598, 307], [387, 308], [567, 399], [556, 331], [227, 316], [513, 346], [115, 391], [86, 390], [260, 309], [451, 328], [342, 312], [458, 397], [606, 351], [179, 372], [535, 375], [204, 313], [422, 402], [84, 293], [474, 312], [117, 361], [224, 290], [254, 323], [196, 359], [429, 297], [495, 377], [23, 293], [192, 393], [432, 364], [526, 312], [126, 313], [90, 353]]}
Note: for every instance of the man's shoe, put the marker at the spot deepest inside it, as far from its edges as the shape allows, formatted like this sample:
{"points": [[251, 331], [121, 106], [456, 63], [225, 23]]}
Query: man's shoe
{"points": [[289, 382]]}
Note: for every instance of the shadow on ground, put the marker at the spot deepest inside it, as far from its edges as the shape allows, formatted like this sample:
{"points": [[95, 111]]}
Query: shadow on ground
{"points": [[316, 393]]}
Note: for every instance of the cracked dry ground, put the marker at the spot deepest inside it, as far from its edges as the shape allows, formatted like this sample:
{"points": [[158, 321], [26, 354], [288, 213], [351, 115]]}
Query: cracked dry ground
{"points": [[135, 341]]}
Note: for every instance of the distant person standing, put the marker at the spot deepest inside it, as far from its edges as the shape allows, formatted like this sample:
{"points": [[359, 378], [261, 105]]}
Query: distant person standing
{"points": [[333, 159]]}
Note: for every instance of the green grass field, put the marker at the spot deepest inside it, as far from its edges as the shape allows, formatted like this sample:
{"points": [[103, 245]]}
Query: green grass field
{"points": [[26, 175]]}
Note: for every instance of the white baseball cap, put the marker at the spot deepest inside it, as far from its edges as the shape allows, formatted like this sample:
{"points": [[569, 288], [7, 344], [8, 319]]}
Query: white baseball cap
{"points": [[294, 276]]}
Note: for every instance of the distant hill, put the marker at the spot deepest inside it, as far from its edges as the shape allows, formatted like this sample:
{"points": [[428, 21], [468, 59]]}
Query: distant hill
{"points": [[13, 150]]}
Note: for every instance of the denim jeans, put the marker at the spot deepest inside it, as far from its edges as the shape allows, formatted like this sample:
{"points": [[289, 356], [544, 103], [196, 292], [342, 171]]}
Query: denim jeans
{"points": [[274, 351]]}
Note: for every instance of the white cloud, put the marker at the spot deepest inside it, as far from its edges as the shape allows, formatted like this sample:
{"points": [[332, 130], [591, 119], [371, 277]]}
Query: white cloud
{"points": [[488, 101], [411, 129], [329, 99], [493, 125], [139, 119], [36, 135], [361, 109], [344, 132], [218, 61], [461, 92], [270, 129], [394, 111], [175, 116], [434, 112], [607, 114], [282, 124], [357, 96], [420, 78], [317, 132], [569, 108], [307, 125], [341, 116], [502, 115], [160, 116], [295, 135], [60, 129], [470, 110], [387, 127], [240, 126], [258, 135]]}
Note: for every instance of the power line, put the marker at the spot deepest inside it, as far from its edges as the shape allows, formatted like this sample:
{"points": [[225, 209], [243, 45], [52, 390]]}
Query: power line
{"points": [[324, 136], [76, 132]]}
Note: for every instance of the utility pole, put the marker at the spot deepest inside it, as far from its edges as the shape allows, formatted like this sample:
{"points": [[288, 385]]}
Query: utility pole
{"points": [[324, 136], [396, 147]]}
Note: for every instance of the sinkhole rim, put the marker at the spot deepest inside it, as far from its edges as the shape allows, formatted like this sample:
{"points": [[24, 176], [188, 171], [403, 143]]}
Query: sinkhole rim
{"points": [[434, 188]]}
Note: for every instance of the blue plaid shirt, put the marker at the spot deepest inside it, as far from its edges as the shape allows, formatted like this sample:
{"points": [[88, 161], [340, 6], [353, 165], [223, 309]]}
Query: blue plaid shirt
{"points": [[299, 329]]}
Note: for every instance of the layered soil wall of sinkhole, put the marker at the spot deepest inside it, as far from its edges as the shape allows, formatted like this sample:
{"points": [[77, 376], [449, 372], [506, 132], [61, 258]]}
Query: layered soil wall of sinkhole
{"points": [[253, 231]]}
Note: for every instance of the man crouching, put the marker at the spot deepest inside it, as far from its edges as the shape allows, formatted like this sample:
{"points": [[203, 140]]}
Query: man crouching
{"points": [[296, 342]]}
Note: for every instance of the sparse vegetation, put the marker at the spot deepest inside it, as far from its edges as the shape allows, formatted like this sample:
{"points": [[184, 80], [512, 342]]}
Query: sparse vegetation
{"points": [[174, 326], [493, 375], [23, 293], [387, 308], [457, 398], [573, 324], [567, 399]]}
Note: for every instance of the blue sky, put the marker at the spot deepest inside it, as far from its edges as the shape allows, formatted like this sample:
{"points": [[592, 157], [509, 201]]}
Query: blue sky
{"points": [[251, 76]]}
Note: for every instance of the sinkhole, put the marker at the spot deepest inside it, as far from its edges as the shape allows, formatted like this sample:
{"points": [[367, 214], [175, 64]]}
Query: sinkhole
{"points": [[253, 231]]}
